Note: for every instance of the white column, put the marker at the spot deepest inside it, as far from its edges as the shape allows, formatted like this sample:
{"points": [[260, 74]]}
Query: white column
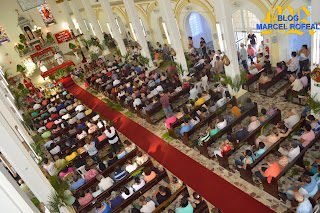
{"points": [[134, 18], [75, 10], [65, 7], [223, 11], [93, 19], [113, 25], [13, 199], [170, 21]]}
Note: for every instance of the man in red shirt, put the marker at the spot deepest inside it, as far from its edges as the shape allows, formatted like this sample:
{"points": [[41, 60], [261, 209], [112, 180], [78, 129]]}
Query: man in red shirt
{"points": [[164, 100], [269, 171], [49, 125]]}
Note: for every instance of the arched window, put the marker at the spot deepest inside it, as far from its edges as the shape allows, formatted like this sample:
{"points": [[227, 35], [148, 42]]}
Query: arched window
{"points": [[195, 24], [244, 20]]}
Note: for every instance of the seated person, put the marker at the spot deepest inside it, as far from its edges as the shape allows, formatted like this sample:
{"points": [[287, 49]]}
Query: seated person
{"points": [[162, 194], [220, 122], [264, 78], [235, 110], [104, 182], [131, 166], [257, 151], [269, 171], [200, 100], [195, 119], [308, 187], [95, 191], [229, 116], [244, 161], [211, 131], [126, 192], [295, 86], [115, 200], [102, 207], [254, 123], [279, 68], [129, 146], [142, 158], [304, 205], [119, 173], [225, 146], [149, 175], [185, 128], [291, 119], [292, 150], [204, 113], [240, 133], [84, 198], [271, 109], [212, 106], [147, 206], [263, 116], [54, 149], [138, 183], [282, 159], [272, 138], [175, 184], [90, 173], [112, 159], [304, 80], [77, 182], [307, 136], [315, 124], [246, 106], [198, 201], [80, 126], [65, 171], [253, 69], [185, 206]]}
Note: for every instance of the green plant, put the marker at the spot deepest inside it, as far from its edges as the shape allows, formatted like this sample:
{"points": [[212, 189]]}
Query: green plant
{"points": [[125, 58], [60, 73], [84, 42], [21, 48], [20, 68], [144, 60], [72, 46], [38, 32], [58, 197], [36, 146], [167, 138], [118, 52], [314, 104], [69, 70], [128, 114], [23, 39], [49, 38], [137, 172], [20, 86], [94, 56], [236, 82], [52, 77], [81, 76], [180, 70]]}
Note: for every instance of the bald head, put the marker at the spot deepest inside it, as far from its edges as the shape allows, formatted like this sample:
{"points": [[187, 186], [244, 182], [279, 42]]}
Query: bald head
{"points": [[253, 119], [298, 197]]}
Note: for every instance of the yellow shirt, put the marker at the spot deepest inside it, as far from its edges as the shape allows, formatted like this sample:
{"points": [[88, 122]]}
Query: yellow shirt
{"points": [[200, 101], [236, 111], [71, 157]]}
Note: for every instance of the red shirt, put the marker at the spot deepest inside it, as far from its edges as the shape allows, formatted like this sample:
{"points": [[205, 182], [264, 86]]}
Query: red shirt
{"points": [[54, 115], [44, 102], [258, 66], [49, 125]]}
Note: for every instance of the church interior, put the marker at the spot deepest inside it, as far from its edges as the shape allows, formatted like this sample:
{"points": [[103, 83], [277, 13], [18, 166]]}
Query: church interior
{"points": [[148, 106]]}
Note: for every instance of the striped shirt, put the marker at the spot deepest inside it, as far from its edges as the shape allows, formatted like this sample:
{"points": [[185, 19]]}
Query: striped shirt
{"points": [[120, 175]]}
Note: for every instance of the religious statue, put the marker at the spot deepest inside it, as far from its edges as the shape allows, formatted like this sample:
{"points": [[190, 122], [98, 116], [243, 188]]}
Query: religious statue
{"points": [[29, 33], [59, 58], [42, 67]]}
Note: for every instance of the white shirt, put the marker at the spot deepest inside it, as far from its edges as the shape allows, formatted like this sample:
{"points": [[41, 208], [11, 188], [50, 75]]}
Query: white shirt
{"points": [[193, 93], [51, 169], [253, 71], [112, 135], [105, 183], [42, 129], [116, 82], [58, 121], [100, 125], [80, 115], [294, 152], [222, 124], [213, 60], [124, 196], [62, 110], [66, 116], [149, 207], [297, 85], [36, 106], [159, 88], [55, 150], [52, 109], [73, 120], [96, 117], [221, 102], [79, 108], [291, 121], [136, 187], [136, 102], [130, 168]]}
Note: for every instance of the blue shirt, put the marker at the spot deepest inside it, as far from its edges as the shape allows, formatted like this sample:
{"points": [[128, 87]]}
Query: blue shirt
{"points": [[116, 202], [186, 128], [81, 126], [64, 93], [187, 209], [138, 69], [106, 210], [258, 153], [305, 207], [48, 143], [119, 175], [77, 184]]}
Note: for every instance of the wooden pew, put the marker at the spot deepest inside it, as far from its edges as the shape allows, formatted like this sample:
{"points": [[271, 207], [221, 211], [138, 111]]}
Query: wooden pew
{"points": [[181, 120], [271, 83], [182, 190], [109, 170], [158, 107], [207, 120], [247, 173], [203, 208], [272, 188], [228, 129], [250, 139], [252, 80]]}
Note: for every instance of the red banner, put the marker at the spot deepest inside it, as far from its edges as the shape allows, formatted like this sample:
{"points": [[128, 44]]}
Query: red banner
{"points": [[63, 36], [54, 70]]}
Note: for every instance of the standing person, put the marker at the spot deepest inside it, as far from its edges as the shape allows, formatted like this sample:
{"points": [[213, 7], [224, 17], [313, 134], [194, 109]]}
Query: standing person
{"points": [[304, 57], [165, 101], [91, 148], [203, 46], [218, 65], [253, 39], [113, 138], [50, 167], [264, 49], [251, 52], [293, 64], [190, 41], [244, 56]]}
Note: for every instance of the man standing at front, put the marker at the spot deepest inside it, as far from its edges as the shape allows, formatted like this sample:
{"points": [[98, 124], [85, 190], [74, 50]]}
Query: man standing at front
{"points": [[244, 56], [164, 100]]}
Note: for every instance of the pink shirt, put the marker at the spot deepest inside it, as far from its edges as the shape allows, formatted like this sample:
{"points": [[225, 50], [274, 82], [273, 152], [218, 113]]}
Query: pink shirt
{"points": [[90, 174], [278, 70], [170, 121], [307, 137], [62, 174], [86, 199], [251, 51], [304, 81], [253, 125]]}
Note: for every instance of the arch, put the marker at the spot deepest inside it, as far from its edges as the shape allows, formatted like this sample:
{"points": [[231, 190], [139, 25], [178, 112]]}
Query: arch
{"points": [[203, 8]]}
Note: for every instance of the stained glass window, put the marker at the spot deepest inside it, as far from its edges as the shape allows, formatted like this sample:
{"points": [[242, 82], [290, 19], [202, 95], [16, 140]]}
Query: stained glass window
{"points": [[195, 24], [3, 36]]}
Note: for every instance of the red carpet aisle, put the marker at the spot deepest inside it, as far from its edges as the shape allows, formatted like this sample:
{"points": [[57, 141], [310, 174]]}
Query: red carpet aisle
{"points": [[215, 189]]}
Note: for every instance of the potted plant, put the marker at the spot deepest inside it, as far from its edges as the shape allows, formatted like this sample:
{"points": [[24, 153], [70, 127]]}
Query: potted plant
{"points": [[21, 69], [52, 77], [22, 49], [180, 71], [73, 47], [23, 39], [38, 33], [50, 38], [94, 56], [144, 61]]}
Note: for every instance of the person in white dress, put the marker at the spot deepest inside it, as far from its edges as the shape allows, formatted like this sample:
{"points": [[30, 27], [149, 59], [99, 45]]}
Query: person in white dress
{"points": [[204, 82], [42, 67], [58, 58]]}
